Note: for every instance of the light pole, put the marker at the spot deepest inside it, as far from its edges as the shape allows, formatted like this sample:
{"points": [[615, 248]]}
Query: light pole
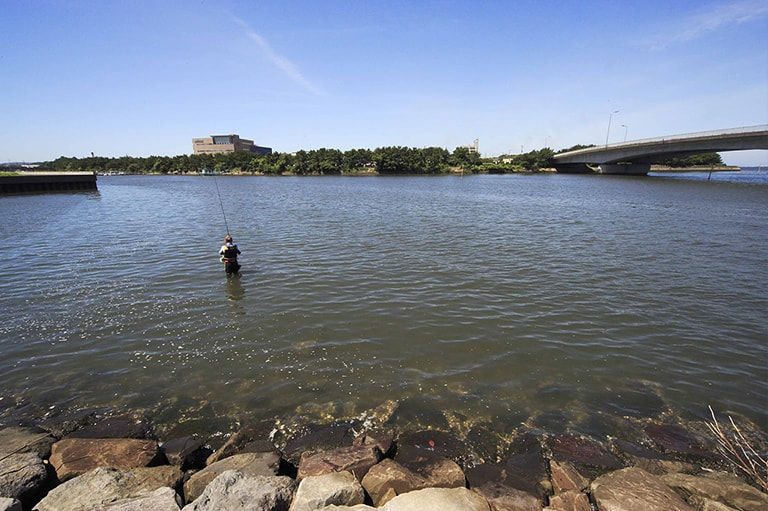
{"points": [[609, 127], [626, 128]]}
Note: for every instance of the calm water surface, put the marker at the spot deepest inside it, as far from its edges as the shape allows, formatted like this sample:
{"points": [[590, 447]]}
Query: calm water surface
{"points": [[550, 300]]}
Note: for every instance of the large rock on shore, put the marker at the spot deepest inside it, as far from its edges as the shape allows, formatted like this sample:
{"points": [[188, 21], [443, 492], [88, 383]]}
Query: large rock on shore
{"points": [[428, 499], [250, 464], [18, 440], [162, 499], [231, 490], [389, 479], [569, 501], [9, 504], [718, 487], [23, 476], [357, 459], [103, 486], [340, 488], [71, 457], [634, 489], [505, 498]]}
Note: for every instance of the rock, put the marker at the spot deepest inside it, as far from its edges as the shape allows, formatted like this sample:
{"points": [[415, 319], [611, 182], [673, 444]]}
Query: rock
{"points": [[634, 489], [71, 457], [388, 478], [584, 453], [340, 488], [381, 439], [102, 486], [162, 499], [505, 498], [186, 452], [250, 464], [652, 461], [244, 440], [9, 504], [703, 504], [428, 499], [438, 499], [721, 487], [443, 473], [118, 427], [675, 439], [420, 447], [23, 476], [234, 490], [569, 501], [318, 439], [524, 469], [357, 459], [565, 477], [18, 440]]}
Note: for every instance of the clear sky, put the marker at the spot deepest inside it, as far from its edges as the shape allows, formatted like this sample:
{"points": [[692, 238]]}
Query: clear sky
{"points": [[140, 78]]}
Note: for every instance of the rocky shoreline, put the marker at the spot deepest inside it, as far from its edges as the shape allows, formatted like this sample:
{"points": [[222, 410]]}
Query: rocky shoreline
{"points": [[119, 464]]}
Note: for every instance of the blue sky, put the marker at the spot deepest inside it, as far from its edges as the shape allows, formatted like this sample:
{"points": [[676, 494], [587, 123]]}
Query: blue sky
{"points": [[143, 78]]}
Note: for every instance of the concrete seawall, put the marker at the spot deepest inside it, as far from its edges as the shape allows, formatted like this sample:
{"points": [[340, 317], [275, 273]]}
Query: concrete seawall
{"points": [[41, 182]]}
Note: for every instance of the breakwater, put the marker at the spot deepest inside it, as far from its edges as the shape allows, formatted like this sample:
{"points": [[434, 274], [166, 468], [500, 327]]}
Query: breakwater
{"points": [[98, 461], [42, 182]]}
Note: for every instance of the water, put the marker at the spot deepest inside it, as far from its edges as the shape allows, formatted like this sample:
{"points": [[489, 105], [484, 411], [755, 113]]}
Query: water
{"points": [[551, 300]]}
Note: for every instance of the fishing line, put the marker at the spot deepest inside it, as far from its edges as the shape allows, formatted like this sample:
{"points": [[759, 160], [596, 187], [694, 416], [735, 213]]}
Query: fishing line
{"points": [[221, 203]]}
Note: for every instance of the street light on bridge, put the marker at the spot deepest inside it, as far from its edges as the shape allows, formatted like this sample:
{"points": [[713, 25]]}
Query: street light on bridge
{"points": [[609, 127], [626, 128]]}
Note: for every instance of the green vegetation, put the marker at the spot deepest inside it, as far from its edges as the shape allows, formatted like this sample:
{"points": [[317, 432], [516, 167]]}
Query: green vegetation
{"points": [[384, 160], [708, 159], [8, 174]]}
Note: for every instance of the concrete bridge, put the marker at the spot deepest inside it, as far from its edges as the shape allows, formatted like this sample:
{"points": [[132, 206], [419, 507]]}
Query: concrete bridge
{"points": [[635, 157]]}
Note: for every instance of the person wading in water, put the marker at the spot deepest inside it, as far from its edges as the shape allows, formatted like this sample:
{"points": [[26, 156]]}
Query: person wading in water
{"points": [[228, 253]]}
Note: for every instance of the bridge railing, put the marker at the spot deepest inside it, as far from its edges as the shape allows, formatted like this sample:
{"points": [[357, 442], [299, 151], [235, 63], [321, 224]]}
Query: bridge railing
{"points": [[696, 134], [668, 138]]}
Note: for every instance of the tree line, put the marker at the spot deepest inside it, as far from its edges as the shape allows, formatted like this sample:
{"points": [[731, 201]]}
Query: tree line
{"points": [[383, 160]]}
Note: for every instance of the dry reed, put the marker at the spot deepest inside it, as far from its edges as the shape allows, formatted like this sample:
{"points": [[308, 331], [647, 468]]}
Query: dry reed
{"points": [[737, 449]]}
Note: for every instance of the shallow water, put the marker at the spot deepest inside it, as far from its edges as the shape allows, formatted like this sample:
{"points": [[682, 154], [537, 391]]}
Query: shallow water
{"points": [[548, 300]]}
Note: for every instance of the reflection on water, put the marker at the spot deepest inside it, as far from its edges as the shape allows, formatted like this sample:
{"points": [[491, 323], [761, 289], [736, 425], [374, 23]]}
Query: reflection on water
{"points": [[555, 301], [235, 289]]}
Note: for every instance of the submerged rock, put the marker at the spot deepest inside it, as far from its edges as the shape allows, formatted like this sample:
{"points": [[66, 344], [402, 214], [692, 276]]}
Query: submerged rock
{"points": [[584, 453], [318, 439], [675, 439]]}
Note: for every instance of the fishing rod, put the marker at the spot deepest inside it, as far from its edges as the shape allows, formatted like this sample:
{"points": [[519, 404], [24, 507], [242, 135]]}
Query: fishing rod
{"points": [[221, 203]]}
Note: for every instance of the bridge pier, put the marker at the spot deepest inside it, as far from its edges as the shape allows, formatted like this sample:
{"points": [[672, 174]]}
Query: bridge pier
{"points": [[625, 169]]}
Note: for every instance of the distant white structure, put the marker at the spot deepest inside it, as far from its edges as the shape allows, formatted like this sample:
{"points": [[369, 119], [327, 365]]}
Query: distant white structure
{"points": [[473, 148]]}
